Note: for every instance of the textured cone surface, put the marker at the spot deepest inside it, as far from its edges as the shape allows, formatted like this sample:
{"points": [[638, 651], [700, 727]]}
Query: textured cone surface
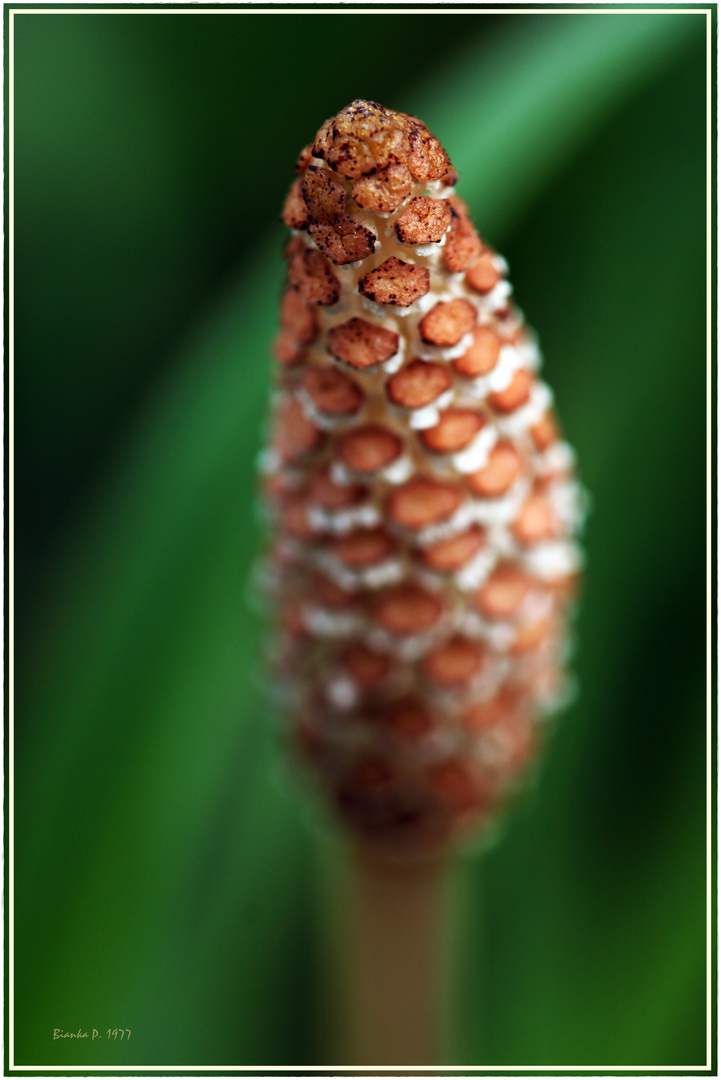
{"points": [[423, 510]]}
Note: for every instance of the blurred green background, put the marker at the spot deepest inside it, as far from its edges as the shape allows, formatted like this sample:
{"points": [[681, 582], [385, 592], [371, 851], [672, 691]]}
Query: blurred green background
{"points": [[165, 879]]}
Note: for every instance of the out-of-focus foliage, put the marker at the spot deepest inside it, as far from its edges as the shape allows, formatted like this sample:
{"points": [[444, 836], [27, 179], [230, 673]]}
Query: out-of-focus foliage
{"points": [[164, 879]]}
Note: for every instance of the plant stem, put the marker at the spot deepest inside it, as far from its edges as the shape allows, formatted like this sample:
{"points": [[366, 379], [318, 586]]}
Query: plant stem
{"points": [[396, 931]]}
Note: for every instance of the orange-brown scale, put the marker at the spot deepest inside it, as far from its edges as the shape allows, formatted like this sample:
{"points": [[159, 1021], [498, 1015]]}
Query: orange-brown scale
{"points": [[361, 344], [332, 391], [482, 355], [331, 496], [517, 393], [363, 547], [329, 594], [304, 159], [504, 591], [343, 242], [291, 618], [324, 196], [364, 137], [294, 518], [422, 501], [454, 663], [455, 429], [423, 221], [366, 667], [310, 273], [455, 551], [369, 448], [455, 785], [483, 716], [287, 351], [383, 191], [372, 799], [503, 468], [406, 718], [395, 282], [545, 433], [277, 485], [536, 520], [297, 320], [447, 322], [406, 609], [483, 275], [418, 384], [295, 212], [463, 244], [370, 775], [295, 435], [529, 635]]}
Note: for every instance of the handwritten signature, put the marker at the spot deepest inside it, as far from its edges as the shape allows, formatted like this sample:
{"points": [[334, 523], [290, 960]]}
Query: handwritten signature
{"points": [[92, 1034]]}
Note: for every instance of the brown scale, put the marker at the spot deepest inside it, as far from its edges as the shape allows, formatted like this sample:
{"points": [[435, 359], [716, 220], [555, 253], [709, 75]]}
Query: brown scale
{"points": [[484, 716], [530, 635], [324, 591], [499, 474], [454, 552], [418, 384], [294, 518], [317, 203], [463, 245], [516, 393], [545, 433], [323, 195], [424, 221], [369, 449], [331, 496], [503, 592], [295, 210], [343, 242], [482, 355], [454, 663], [276, 485], [483, 276], [364, 547], [456, 428], [367, 668], [395, 282], [536, 521], [310, 273], [287, 352], [297, 320], [292, 618], [304, 159], [331, 391], [406, 609], [364, 137], [454, 783], [295, 435], [385, 190], [370, 778], [448, 322], [420, 502], [405, 718], [376, 801], [361, 344]]}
